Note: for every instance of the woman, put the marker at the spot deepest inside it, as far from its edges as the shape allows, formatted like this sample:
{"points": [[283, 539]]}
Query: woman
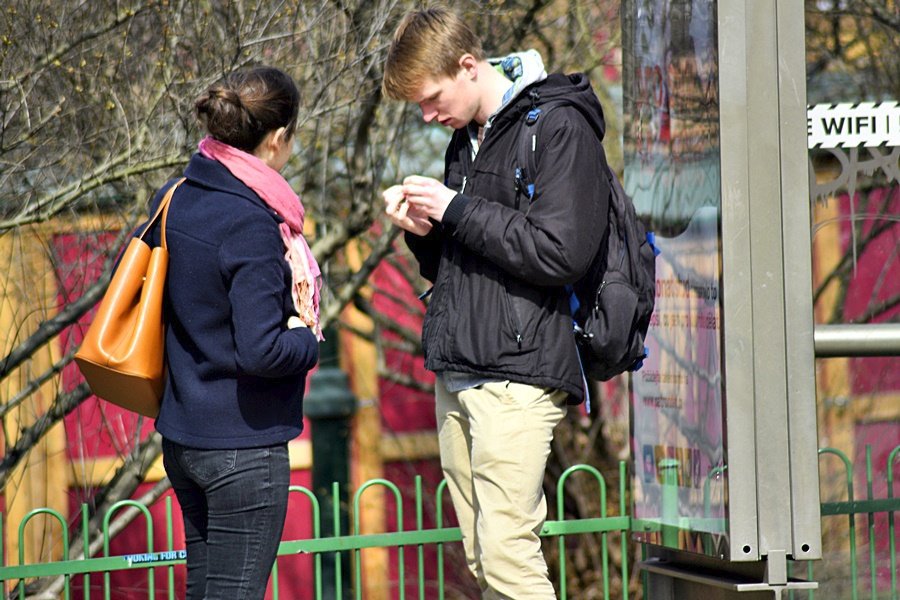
{"points": [[242, 313]]}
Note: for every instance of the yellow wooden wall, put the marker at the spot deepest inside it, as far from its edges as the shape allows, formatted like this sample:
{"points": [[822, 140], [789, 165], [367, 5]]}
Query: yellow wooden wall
{"points": [[27, 295]]}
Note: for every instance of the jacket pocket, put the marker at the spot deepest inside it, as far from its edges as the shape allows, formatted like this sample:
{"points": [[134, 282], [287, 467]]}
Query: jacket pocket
{"points": [[515, 315], [514, 318]]}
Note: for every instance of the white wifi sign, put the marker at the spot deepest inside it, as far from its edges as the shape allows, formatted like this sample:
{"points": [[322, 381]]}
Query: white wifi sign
{"points": [[852, 125]]}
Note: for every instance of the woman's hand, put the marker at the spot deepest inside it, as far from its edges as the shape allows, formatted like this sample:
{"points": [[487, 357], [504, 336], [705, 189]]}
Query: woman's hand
{"points": [[295, 322]]}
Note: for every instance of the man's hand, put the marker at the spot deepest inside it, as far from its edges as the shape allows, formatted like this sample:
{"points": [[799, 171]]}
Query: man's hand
{"points": [[427, 196], [402, 214]]}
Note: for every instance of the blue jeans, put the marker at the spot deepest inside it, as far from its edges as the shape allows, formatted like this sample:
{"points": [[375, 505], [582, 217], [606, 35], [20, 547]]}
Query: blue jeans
{"points": [[234, 504]]}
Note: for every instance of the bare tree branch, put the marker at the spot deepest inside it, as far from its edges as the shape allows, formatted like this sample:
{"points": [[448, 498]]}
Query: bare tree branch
{"points": [[381, 248], [49, 329], [405, 380], [883, 15], [54, 55], [28, 436], [49, 206], [383, 322]]}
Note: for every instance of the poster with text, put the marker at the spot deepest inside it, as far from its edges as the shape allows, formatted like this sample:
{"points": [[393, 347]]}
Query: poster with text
{"points": [[672, 172]]}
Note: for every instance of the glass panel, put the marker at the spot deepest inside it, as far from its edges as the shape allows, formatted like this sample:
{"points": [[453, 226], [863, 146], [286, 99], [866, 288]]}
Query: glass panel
{"points": [[672, 172], [853, 59]]}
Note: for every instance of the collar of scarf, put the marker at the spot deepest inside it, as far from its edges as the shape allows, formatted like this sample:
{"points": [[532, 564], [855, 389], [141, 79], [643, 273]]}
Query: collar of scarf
{"points": [[278, 195]]}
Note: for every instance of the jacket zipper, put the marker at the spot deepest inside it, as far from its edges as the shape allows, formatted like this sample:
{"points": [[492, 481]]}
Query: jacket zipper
{"points": [[517, 327], [470, 165]]}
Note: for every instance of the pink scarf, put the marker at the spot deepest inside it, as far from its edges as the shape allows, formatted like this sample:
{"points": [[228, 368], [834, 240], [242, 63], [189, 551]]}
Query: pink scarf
{"points": [[278, 195]]}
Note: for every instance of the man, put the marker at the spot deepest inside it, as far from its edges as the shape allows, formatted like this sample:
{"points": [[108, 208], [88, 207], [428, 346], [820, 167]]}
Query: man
{"points": [[498, 329]]}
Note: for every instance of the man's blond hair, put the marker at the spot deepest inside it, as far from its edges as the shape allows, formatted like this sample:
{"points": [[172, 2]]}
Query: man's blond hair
{"points": [[427, 45]]}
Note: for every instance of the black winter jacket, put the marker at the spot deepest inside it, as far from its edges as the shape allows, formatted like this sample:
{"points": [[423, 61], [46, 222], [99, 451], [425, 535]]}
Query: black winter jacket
{"points": [[499, 262]]}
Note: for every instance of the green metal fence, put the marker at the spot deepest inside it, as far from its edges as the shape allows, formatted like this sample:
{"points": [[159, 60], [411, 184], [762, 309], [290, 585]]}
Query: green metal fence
{"points": [[331, 549], [841, 579], [329, 554]]}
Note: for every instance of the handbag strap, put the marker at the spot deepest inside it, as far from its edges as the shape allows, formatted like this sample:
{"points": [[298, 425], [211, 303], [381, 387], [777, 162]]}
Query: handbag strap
{"points": [[163, 209]]}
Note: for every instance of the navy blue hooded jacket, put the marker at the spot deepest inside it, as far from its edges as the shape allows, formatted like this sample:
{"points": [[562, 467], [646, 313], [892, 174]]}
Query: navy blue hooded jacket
{"points": [[235, 373]]}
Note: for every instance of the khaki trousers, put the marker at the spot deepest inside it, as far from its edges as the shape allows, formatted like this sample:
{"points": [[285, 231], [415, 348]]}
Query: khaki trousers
{"points": [[494, 441]]}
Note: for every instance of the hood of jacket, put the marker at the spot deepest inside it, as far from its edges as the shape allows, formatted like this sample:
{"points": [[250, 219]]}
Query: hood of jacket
{"points": [[532, 87], [522, 69], [574, 90]]}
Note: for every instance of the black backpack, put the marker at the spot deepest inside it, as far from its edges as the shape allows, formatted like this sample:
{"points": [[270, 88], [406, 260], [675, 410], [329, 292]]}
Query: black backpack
{"points": [[612, 303]]}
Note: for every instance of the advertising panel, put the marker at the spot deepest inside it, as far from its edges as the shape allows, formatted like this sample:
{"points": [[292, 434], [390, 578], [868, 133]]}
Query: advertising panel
{"points": [[672, 158]]}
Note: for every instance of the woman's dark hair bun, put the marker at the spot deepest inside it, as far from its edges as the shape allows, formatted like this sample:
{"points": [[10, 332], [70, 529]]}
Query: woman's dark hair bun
{"points": [[244, 106]]}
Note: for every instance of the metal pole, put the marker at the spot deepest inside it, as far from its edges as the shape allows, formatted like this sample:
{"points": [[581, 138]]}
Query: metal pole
{"points": [[878, 339]]}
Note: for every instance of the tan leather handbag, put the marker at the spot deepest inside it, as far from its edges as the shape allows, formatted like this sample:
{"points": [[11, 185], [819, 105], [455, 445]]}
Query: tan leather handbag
{"points": [[121, 356]]}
